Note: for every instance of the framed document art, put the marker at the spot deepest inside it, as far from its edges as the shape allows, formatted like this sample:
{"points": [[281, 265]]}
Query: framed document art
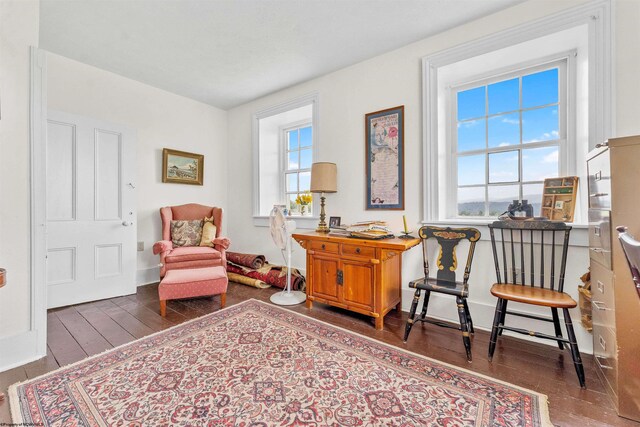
{"points": [[384, 146], [181, 167]]}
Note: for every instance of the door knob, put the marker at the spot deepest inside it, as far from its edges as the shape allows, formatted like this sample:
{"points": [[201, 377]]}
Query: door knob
{"points": [[127, 223]]}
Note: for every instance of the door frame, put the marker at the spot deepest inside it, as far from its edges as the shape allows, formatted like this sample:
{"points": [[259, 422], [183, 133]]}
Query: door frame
{"points": [[38, 164]]}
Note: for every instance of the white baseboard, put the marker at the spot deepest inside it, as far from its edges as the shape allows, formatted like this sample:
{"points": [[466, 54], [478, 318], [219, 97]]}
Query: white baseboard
{"points": [[443, 307], [147, 276], [18, 350]]}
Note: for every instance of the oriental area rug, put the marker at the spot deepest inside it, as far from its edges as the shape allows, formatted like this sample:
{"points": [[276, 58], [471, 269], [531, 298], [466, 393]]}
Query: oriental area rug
{"points": [[255, 364]]}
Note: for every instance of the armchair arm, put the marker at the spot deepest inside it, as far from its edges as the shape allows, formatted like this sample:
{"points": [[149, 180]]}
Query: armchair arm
{"points": [[162, 246], [221, 243]]}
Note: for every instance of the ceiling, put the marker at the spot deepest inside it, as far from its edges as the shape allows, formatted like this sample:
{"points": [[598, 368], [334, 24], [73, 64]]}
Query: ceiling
{"points": [[227, 52]]}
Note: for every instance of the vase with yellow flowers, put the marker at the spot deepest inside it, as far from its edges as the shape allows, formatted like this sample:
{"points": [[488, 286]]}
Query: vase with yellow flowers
{"points": [[304, 200]]}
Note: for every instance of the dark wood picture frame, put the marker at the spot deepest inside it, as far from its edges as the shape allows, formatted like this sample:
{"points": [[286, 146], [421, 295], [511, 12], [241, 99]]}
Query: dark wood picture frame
{"points": [[334, 221], [181, 167], [384, 139]]}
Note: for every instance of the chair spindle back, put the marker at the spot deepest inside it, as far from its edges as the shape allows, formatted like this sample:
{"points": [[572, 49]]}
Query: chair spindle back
{"points": [[523, 244]]}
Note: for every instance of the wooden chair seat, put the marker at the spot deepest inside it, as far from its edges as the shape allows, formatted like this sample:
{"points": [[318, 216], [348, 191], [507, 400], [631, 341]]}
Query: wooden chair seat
{"points": [[458, 289], [534, 296]]}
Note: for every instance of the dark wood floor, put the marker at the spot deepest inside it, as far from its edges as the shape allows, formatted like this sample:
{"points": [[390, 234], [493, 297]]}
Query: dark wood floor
{"points": [[83, 330]]}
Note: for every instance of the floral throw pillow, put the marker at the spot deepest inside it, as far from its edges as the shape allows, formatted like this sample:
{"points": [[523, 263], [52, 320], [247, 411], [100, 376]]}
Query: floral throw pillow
{"points": [[186, 233]]}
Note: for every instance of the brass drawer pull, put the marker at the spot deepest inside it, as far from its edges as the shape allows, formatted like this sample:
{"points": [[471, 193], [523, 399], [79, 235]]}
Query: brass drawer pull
{"points": [[357, 250], [323, 246]]}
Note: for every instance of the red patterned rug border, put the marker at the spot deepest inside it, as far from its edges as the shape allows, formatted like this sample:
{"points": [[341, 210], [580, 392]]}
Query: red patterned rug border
{"points": [[185, 327]]}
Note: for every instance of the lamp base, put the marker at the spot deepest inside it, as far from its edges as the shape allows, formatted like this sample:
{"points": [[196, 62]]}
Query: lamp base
{"points": [[322, 225], [405, 235]]}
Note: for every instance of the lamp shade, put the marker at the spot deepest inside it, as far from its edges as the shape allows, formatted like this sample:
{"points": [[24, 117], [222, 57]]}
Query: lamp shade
{"points": [[324, 177]]}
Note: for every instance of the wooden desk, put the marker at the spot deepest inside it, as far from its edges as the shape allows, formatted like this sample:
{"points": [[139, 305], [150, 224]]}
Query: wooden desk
{"points": [[360, 275]]}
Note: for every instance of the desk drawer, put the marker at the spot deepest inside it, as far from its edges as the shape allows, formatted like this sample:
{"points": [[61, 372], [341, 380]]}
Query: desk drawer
{"points": [[599, 170], [359, 250], [600, 236], [602, 296], [324, 246]]}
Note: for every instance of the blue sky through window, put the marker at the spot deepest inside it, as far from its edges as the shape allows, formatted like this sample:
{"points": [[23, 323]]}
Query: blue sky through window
{"points": [[510, 113]]}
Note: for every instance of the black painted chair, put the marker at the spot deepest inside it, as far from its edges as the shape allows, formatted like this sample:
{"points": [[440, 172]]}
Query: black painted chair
{"points": [[530, 276], [631, 249], [445, 281]]}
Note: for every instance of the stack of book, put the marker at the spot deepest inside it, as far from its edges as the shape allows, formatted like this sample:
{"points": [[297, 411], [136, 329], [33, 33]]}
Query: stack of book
{"points": [[363, 230]]}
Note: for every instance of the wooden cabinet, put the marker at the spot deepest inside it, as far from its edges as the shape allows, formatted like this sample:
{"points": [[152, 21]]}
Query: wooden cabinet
{"points": [[613, 180], [360, 275]]}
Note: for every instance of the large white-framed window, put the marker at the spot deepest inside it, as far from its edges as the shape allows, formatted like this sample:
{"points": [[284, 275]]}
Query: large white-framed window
{"points": [[285, 143], [583, 35], [297, 147], [508, 133]]}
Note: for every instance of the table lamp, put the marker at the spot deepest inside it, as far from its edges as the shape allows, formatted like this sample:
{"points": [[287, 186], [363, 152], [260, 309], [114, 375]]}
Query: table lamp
{"points": [[323, 180]]}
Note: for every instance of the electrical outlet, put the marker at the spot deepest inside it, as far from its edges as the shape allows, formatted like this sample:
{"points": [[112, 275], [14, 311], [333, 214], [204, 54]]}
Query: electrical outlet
{"points": [[140, 246]]}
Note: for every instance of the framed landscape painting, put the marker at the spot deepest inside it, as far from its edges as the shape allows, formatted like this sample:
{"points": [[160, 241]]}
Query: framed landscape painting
{"points": [[384, 144], [181, 167]]}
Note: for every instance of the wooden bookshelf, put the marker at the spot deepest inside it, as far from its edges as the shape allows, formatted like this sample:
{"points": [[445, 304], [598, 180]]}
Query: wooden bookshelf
{"points": [[559, 198]]}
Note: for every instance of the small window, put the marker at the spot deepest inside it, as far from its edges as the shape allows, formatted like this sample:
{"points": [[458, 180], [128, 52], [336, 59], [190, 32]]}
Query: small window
{"points": [[509, 134], [285, 144], [298, 142]]}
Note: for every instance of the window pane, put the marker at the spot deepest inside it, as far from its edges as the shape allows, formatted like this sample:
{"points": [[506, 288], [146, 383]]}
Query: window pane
{"points": [[306, 157], [500, 197], [504, 96], [305, 181], [293, 206], [471, 103], [305, 137], [540, 124], [471, 170], [532, 193], [471, 201], [504, 130], [292, 182], [503, 167], [540, 88], [292, 137], [471, 135], [293, 160], [540, 163]]}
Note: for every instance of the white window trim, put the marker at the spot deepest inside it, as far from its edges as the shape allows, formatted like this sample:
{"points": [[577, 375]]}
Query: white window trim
{"points": [[302, 101], [567, 166], [596, 15]]}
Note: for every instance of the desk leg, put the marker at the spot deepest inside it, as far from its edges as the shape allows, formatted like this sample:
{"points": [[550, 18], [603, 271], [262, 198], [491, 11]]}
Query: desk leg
{"points": [[379, 323], [309, 304], [399, 307]]}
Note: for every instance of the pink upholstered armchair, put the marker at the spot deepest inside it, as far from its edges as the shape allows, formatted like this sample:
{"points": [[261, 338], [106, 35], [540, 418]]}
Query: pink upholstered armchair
{"points": [[190, 256]]}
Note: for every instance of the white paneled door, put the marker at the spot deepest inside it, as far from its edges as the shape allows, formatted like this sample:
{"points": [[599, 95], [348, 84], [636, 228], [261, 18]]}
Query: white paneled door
{"points": [[91, 229]]}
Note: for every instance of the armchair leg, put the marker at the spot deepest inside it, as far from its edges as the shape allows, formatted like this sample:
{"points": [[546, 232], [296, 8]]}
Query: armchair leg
{"points": [[223, 300], [494, 330], [163, 308], [556, 326], [412, 312], [575, 352], [464, 326]]}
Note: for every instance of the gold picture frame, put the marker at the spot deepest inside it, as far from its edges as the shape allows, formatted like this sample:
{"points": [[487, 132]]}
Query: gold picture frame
{"points": [[181, 167]]}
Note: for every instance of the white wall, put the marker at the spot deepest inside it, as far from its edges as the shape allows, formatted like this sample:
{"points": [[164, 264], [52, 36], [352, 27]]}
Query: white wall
{"points": [[395, 79], [160, 119], [18, 31]]}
